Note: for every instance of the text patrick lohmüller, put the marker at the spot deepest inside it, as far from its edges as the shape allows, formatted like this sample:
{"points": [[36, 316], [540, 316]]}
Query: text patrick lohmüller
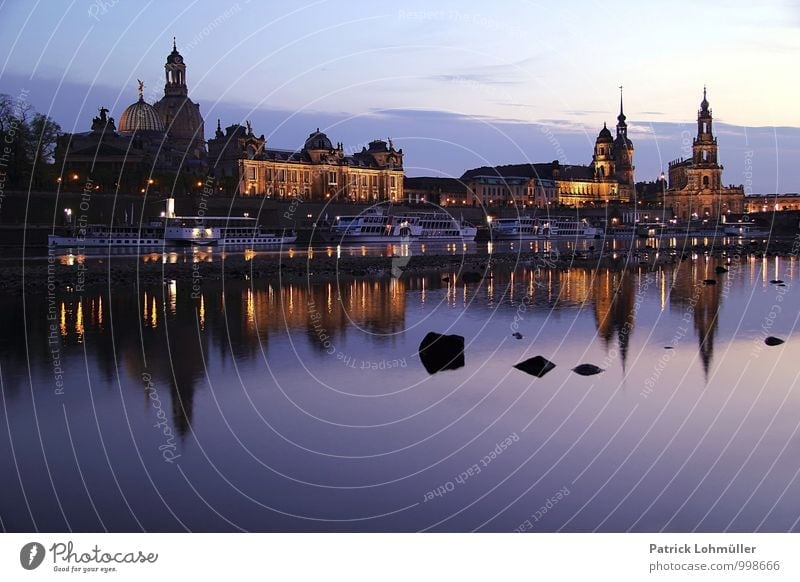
{"points": [[702, 549]]}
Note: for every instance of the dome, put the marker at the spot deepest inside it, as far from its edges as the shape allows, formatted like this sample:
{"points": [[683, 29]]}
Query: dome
{"points": [[180, 117], [378, 145], [174, 58], [318, 141], [140, 116], [605, 135]]}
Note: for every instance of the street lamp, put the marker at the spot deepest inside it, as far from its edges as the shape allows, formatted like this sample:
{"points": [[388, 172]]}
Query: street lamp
{"points": [[68, 215]]}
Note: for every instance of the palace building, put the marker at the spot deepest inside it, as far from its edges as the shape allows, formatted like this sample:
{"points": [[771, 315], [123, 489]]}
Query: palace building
{"points": [[609, 178], [320, 170], [163, 146], [695, 184]]}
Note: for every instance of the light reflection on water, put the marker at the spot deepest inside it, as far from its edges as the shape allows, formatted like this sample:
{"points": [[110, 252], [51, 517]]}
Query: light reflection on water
{"points": [[171, 255], [306, 408]]}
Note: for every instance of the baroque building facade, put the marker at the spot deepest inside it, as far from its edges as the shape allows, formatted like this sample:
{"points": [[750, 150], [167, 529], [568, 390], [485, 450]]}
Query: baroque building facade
{"points": [[772, 202], [242, 164], [609, 177], [695, 188]]}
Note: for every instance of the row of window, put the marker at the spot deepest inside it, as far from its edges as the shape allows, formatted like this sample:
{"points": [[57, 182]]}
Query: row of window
{"points": [[281, 175]]}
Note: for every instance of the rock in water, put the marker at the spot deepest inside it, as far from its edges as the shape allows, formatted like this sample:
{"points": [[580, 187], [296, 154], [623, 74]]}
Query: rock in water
{"points": [[517, 335], [440, 352], [773, 341], [587, 369], [471, 277], [776, 281], [536, 366], [710, 281], [721, 270]]}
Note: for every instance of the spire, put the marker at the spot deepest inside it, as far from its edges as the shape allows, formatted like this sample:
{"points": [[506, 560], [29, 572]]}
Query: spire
{"points": [[174, 44], [621, 116], [704, 102]]}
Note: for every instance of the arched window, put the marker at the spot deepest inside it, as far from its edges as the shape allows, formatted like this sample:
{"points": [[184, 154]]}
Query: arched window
{"points": [[705, 181]]}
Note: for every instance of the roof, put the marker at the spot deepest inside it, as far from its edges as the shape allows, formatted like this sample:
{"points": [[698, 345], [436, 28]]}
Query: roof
{"points": [[140, 116], [435, 183], [786, 195], [538, 171]]}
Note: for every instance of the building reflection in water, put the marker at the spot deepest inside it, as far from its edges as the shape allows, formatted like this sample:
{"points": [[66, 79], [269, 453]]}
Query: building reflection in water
{"points": [[614, 307], [701, 301], [171, 330]]}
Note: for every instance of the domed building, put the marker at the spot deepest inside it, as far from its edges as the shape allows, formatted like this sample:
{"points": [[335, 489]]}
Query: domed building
{"points": [[604, 163], [140, 117], [608, 178], [164, 144], [318, 141], [179, 115], [320, 170]]}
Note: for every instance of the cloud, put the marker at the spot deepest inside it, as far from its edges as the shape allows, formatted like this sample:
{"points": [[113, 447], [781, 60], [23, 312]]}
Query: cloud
{"points": [[483, 79]]}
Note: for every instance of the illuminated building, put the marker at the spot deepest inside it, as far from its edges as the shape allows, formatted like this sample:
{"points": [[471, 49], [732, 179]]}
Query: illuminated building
{"points": [[243, 164], [695, 184], [609, 178]]}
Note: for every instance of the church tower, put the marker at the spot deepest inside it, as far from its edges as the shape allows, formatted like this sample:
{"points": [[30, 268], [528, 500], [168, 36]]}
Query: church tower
{"points": [[603, 160], [695, 184], [179, 115], [175, 71], [704, 146], [623, 149]]}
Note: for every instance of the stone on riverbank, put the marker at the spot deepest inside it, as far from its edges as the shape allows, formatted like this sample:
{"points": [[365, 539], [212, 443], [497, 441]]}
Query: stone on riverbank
{"points": [[537, 366], [440, 352], [587, 369]]}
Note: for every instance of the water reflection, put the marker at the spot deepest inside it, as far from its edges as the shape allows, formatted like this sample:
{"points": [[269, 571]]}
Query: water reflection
{"points": [[169, 329], [614, 308], [250, 358]]}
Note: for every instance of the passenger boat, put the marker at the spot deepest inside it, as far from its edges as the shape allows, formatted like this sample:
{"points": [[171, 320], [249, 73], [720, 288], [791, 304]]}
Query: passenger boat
{"points": [[374, 226], [371, 226], [573, 228], [171, 230], [745, 230], [532, 228], [441, 226]]}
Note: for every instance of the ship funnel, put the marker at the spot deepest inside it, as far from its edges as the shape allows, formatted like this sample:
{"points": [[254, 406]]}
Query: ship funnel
{"points": [[170, 211]]}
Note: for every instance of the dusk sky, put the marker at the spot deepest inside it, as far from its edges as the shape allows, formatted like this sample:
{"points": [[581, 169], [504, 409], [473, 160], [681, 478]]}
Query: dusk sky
{"points": [[456, 84]]}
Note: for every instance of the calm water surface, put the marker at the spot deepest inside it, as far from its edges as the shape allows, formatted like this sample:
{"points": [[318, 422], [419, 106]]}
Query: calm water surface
{"points": [[293, 408]]}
